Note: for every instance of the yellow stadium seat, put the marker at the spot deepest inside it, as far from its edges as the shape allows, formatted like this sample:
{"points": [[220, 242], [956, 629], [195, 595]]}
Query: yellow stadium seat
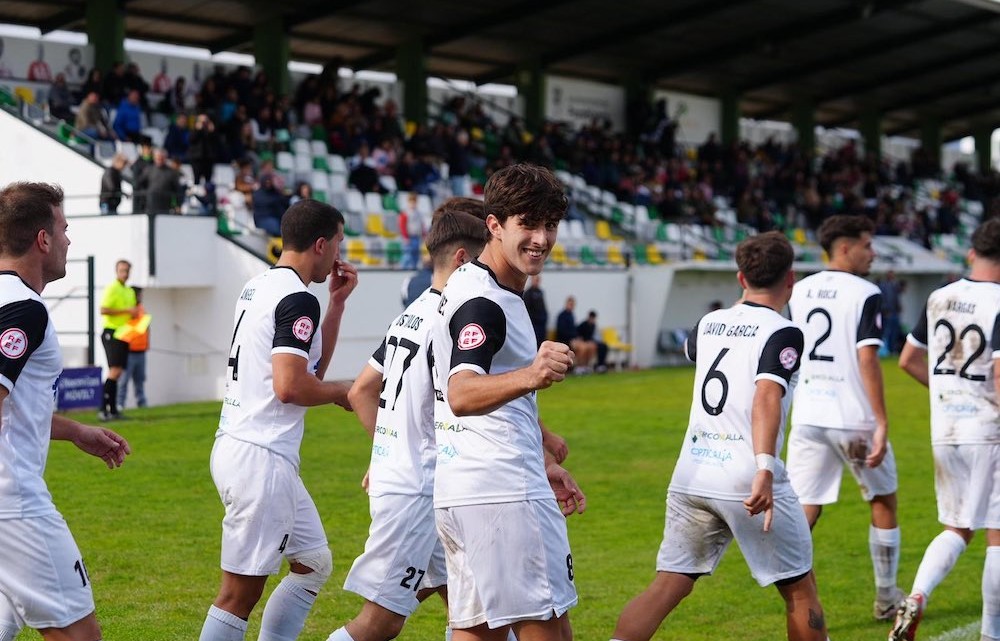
{"points": [[653, 254], [356, 252], [800, 236], [611, 338], [602, 229], [558, 254], [375, 226], [615, 256]]}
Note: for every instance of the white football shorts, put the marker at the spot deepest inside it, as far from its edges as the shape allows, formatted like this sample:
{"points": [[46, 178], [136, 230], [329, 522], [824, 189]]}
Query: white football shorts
{"points": [[269, 513], [967, 483], [816, 459], [699, 529], [507, 562], [42, 573], [402, 554]]}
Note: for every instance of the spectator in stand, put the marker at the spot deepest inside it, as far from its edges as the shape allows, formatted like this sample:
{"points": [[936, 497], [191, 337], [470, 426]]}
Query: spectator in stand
{"points": [[60, 99], [459, 161], [128, 119], [143, 162], [38, 70], [246, 180], [269, 205], [263, 130], [587, 332], [303, 191], [566, 333], [93, 83], [175, 99], [111, 185], [135, 82], [892, 332], [90, 118], [411, 228], [178, 138], [114, 84], [203, 150], [363, 176], [534, 302], [162, 184]]}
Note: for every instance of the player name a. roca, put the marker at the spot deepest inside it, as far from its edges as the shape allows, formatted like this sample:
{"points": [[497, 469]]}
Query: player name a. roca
{"points": [[827, 294], [721, 329]]}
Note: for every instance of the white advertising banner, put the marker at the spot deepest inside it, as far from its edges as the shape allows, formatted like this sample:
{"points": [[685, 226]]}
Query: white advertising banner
{"points": [[696, 116], [580, 102]]}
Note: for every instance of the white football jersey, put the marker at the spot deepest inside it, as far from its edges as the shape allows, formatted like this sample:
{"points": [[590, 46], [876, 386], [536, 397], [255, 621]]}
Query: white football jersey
{"points": [[960, 329], [839, 313], [497, 457], [404, 449], [30, 363], [275, 314], [734, 349]]}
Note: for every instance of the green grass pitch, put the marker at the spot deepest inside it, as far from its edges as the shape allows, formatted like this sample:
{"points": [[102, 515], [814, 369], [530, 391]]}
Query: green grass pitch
{"points": [[150, 532]]}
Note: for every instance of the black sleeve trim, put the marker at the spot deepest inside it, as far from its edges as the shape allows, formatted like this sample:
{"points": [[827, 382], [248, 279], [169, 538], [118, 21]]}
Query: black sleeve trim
{"points": [[691, 344], [22, 330], [296, 319], [379, 355], [478, 330], [919, 330], [782, 353], [870, 325], [995, 337]]}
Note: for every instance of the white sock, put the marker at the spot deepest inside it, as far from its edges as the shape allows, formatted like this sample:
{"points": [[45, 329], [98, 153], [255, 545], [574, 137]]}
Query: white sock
{"points": [[285, 612], [991, 593], [884, 547], [510, 635], [222, 626], [939, 558], [8, 634], [447, 634], [340, 634]]}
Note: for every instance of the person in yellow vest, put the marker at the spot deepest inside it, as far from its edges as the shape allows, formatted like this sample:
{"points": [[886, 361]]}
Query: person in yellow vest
{"points": [[117, 308], [136, 333]]}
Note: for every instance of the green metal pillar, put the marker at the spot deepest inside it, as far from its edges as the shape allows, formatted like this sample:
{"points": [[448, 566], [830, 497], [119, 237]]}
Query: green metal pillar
{"points": [[804, 121], [106, 31], [411, 70], [271, 49], [530, 82], [983, 135], [871, 130], [930, 137], [729, 127]]}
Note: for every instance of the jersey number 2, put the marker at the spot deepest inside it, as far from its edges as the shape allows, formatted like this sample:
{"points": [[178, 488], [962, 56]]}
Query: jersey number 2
{"points": [[813, 356]]}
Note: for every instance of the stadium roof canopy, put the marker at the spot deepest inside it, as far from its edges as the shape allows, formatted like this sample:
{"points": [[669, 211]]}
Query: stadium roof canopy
{"points": [[908, 59]]}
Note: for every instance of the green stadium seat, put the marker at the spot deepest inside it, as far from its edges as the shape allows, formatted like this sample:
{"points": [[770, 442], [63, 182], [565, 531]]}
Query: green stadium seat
{"points": [[640, 253], [394, 252], [589, 257]]}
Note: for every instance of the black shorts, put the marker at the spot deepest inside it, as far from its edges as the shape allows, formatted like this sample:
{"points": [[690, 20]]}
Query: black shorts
{"points": [[115, 350]]}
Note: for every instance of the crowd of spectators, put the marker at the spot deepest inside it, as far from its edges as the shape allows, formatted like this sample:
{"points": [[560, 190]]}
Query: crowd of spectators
{"points": [[233, 116]]}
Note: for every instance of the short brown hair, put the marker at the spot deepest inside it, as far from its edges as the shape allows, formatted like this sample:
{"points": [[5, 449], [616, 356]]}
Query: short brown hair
{"points": [[25, 209], [986, 240], [525, 190], [842, 226], [453, 229], [765, 259], [471, 206], [307, 221]]}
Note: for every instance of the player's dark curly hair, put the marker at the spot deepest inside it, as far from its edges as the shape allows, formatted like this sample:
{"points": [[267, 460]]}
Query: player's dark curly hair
{"points": [[765, 259], [528, 191], [842, 226], [471, 206], [25, 209], [986, 240], [307, 221], [452, 229]]}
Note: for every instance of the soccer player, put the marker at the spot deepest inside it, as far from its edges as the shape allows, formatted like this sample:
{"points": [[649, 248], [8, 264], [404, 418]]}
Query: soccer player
{"points": [[497, 492], [403, 562], [839, 414], [43, 581], [118, 306], [727, 469], [276, 367], [960, 329]]}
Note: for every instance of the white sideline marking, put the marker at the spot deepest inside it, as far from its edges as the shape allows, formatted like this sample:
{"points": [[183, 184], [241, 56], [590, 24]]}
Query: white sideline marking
{"points": [[964, 633]]}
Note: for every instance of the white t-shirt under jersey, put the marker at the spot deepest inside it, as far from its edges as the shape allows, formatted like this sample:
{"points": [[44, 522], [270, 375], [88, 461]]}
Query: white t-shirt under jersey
{"points": [[960, 329], [275, 314], [496, 457], [838, 313], [734, 349]]}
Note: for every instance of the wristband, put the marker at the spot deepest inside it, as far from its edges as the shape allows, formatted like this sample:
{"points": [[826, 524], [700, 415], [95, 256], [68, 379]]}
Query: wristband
{"points": [[766, 462]]}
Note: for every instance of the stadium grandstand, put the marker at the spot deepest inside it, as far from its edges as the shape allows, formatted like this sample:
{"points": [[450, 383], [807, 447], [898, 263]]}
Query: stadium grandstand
{"points": [[678, 129]]}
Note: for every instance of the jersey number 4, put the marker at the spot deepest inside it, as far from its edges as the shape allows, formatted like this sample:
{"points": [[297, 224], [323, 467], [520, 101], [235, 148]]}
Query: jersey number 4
{"points": [[964, 372], [394, 372]]}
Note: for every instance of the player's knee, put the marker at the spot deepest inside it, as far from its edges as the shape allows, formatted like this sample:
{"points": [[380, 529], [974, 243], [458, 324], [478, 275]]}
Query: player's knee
{"points": [[320, 564]]}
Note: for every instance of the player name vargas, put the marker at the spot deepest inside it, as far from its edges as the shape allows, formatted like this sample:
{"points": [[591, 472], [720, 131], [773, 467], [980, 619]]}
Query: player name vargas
{"points": [[721, 329]]}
